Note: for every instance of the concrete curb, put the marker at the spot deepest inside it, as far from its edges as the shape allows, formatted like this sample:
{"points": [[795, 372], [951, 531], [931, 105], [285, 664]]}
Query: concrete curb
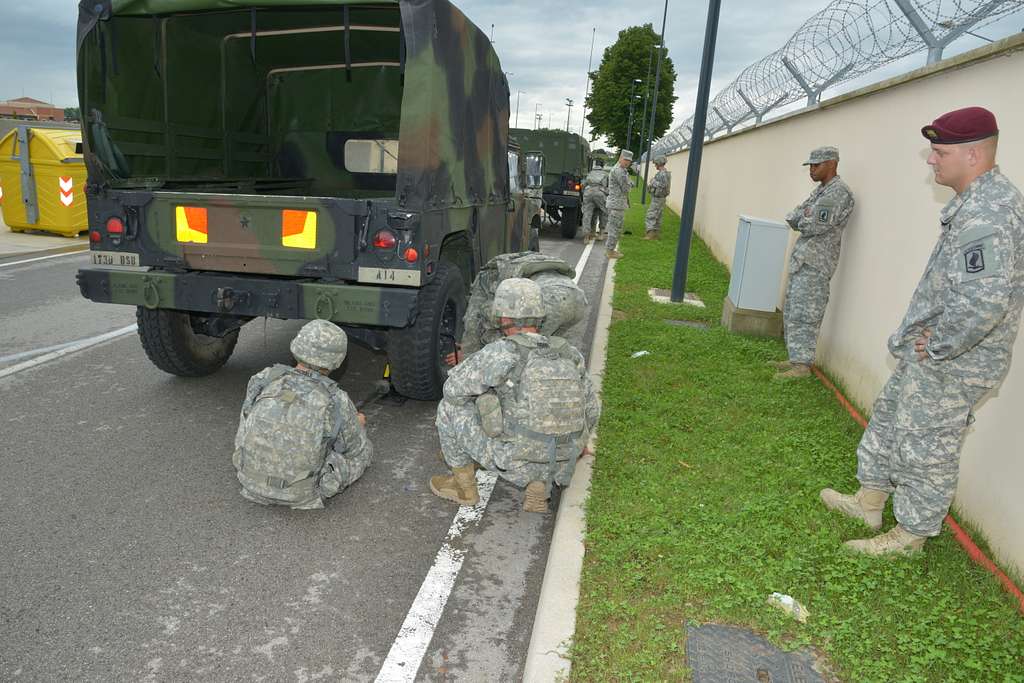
{"points": [[81, 246], [555, 622]]}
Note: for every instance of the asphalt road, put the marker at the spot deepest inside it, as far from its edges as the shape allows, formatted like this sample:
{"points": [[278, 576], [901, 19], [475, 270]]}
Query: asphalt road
{"points": [[126, 552]]}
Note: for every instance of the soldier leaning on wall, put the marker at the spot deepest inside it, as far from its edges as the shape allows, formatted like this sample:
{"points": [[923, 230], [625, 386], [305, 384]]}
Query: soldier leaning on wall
{"points": [[953, 345], [820, 220]]}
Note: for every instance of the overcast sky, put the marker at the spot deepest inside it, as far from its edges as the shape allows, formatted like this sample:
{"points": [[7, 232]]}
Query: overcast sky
{"points": [[544, 45]]}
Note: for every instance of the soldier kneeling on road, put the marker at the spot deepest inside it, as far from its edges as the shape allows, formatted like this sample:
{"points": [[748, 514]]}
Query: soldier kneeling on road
{"points": [[523, 406], [300, 439], [564, 301]]}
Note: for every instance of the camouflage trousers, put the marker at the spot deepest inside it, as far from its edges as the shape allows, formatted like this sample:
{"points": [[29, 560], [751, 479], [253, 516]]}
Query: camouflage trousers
{"points": [[463, 442], [593, 205], [337, 474], [616, 219], [652, 219], [911, 447], [803, 311]]}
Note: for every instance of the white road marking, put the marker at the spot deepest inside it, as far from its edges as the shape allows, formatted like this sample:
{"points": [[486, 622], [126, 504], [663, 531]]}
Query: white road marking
{"points": [[60, 353], [406, 653], [43, 258]]}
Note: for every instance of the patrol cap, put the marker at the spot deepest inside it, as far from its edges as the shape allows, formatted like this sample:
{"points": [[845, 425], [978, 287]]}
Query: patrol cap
{"points": [[320, 343], [962, 125], [626, 154], [821, 155], [660, 160]]}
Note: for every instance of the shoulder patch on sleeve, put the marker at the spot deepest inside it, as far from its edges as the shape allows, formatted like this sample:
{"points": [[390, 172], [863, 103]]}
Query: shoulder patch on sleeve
{"points": [[824, 213], [979, 257]]}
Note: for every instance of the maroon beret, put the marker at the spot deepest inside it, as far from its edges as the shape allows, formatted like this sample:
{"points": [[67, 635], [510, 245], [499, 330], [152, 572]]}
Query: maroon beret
{"points": [[963, 125]]}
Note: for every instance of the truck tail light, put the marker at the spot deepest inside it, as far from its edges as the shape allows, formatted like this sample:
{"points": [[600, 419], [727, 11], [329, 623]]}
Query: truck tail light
{"points": [[411, 255], [115, 226], [95, 236], [385, 239]]}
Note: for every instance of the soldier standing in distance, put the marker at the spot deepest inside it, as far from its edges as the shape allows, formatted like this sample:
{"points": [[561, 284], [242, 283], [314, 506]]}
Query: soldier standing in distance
{"points": [[659, 187], [300, 439], [522, 406], [595, 193], [953, 345], [618, 202], [820, 221]]}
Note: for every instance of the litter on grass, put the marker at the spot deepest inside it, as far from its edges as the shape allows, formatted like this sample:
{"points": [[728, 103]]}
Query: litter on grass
{"points": [[639, 354], [790, 606]]}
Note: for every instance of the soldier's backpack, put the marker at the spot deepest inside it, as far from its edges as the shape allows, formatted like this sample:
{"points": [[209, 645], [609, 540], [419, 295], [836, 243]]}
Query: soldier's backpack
{"points": [[545, 406], [282, 443]]}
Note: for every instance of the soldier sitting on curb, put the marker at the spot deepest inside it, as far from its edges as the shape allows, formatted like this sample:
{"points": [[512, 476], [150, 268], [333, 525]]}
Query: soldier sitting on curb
{"points": [[522, 406], [300, 439], [564, 301]]}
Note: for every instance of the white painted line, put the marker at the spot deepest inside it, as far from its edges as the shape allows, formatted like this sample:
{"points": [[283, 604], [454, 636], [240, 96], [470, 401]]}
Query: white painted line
{"points": [[406, 653], [83, 344], [582, 263], [42, 258], [36, 352]]}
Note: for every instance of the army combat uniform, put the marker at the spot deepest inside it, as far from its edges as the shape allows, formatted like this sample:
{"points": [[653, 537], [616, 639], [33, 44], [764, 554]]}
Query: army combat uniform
{"points": [[618, 202], [564, 302], [970, 297], [820, 220], [659, 188], [595, 194], [548, 409]]}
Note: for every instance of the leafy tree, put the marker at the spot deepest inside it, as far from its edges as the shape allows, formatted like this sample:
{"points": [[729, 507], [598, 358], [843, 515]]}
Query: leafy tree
{"points": [[72, 114], [608, 101]]}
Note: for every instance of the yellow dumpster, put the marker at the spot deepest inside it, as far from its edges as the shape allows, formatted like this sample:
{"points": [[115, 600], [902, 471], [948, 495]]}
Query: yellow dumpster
{"points": [[42, 180]]}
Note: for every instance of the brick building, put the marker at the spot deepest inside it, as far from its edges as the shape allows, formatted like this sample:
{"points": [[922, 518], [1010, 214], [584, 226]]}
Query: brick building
{"points": [[29, 109]]}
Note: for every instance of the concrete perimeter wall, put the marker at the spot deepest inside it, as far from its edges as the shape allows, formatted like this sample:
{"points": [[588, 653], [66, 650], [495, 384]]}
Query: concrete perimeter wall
{"points": [[888, 240]]}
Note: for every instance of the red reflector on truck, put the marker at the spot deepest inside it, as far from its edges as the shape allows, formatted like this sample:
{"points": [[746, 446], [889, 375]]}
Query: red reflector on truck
{"points": [[298, 229]]}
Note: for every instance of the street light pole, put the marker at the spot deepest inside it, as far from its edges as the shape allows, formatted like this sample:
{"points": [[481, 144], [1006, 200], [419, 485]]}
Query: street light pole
{"points": [[643, 120], [536, 115], [518, 93], [632, 100], [700, 118], [654, 98], [586, 90], [568, 103]]}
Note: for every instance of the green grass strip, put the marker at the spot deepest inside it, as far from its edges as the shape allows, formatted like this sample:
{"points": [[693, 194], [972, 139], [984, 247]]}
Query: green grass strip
{"points": [[705, 501]]}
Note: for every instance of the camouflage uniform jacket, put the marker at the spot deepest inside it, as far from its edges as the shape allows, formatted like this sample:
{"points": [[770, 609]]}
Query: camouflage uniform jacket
{"points": [[618, 188], [820, 221], [596, 183], [661, 184], [972, 290], [346, 449], [493, 368]]}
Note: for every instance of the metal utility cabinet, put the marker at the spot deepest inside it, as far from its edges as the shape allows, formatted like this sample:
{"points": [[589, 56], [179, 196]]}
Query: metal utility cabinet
{"points": [[757, 267]]}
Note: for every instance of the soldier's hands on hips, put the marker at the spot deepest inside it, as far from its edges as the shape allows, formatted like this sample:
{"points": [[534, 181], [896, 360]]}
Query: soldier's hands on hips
{"points": [[362, 419], [921, 344]]}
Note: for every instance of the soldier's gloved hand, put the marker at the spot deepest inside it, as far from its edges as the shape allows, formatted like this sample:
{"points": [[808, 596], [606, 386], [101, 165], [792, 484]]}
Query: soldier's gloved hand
{"points": [[362, 419], [921, 344]]}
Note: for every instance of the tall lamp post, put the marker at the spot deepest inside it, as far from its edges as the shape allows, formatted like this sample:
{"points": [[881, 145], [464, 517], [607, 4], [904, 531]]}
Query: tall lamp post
{"points": [[536, 115], [518, 94], [643, 120], [632, 101], [654, 100], [568, 103]]}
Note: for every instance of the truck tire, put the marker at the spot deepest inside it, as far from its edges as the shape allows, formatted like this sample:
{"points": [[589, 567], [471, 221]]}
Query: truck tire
{"points": [[416, 352], [570, 221], [174, 347]]}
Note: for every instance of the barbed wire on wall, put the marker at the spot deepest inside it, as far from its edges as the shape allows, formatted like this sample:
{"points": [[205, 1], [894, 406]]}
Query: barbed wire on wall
{"points": [[845, 40]]}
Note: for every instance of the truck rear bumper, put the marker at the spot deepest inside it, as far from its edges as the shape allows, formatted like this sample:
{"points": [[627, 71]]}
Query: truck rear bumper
{"points": [[250, 296], [562, 200]]}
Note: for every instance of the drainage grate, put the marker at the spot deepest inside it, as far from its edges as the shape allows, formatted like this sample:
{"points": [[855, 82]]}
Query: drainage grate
{"points": [[724, 654], [688, 323]]}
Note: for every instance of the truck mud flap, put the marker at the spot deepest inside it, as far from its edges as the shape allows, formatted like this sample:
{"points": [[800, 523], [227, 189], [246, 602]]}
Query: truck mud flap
{"points": [[252, 297]]}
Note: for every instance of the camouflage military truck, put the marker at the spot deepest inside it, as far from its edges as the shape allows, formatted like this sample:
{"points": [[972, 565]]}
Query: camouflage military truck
{"points": [[566, 160], [337, 159]]}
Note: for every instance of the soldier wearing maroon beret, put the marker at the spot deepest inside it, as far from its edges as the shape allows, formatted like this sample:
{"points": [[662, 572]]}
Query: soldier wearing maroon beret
{"points": [[953, 345]]}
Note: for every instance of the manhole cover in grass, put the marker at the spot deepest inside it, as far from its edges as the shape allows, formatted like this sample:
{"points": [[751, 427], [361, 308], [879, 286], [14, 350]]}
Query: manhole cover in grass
{"points": [[688, 323], [723, 654]]}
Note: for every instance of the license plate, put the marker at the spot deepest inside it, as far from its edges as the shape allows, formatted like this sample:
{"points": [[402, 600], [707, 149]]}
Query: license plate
{"points": [[390, 276], [116, 259], [572, 193]]}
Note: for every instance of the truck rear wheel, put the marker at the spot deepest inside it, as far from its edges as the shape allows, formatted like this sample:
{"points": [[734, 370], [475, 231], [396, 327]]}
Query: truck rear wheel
{"points": [[416, 352], [570, 220], [174, 347]]}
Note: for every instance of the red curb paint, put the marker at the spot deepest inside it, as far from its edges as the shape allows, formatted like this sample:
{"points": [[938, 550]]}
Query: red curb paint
{"points": [[962, 537]]}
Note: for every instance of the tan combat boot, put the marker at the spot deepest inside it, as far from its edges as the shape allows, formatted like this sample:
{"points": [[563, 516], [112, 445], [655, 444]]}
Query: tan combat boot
{"points": [[865, 505], [458, 487], [614, 253], [795, 370], [896, 540], [536, 499]]}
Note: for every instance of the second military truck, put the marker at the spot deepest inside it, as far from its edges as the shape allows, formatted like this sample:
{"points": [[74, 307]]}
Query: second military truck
{"points": [[565, 159], [329, 159]]}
